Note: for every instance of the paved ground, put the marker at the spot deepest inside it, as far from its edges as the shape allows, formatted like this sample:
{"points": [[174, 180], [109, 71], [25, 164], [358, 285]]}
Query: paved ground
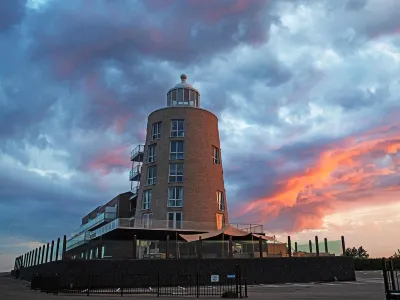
{"points": [[369, 286]]}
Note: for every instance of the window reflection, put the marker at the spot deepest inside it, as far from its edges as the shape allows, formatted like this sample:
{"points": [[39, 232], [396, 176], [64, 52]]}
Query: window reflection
{"points": [[180, 96]]}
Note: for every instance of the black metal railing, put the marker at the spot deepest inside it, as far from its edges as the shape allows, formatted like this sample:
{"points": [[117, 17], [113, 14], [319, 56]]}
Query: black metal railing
{"points": [[391, 279], [118, 282]]}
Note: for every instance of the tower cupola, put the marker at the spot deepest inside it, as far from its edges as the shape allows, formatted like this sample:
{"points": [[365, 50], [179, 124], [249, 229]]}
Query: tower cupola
{"points": [[183, 94]]}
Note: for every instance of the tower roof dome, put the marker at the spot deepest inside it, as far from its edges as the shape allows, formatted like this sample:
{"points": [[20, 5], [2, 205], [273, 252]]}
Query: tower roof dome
{"points": [[183, 84]]}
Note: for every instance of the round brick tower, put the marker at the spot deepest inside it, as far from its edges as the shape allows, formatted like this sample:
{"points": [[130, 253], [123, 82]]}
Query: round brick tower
{"points": [[181, 179]]}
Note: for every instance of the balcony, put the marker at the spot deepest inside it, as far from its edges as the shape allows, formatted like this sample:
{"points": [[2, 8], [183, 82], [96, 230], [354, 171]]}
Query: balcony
{"points": [[96, 222], [134, 191], [78, 240], [137, 154], [134, 174]]}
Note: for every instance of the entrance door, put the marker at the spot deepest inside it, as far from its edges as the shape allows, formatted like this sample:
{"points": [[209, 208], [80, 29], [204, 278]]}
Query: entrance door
{"points": [[174, 220]]}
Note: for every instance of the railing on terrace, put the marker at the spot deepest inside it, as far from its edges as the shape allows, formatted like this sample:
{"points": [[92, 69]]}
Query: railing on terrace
{"points": [[104, 217], [134, 191], [138, 150], [254, 228], [148, 224], [134, 173], [163, 224], [78, 240]]}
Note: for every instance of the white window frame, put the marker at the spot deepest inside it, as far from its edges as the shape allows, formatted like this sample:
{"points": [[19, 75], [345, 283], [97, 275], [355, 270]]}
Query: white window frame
{"points": [[177, 132], [151, 180], [173, 196], [156, 131], [146, 199], [151, 153], [174, 224], [216, 155], [221, 200], [174, 154], [147, 220], [175, 176]]}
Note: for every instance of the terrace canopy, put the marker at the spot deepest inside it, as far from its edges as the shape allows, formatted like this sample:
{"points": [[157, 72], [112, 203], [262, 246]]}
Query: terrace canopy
{"points": [[236, 234]]}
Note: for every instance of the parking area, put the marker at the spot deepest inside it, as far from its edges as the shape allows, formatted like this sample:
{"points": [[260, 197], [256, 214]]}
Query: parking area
{"points": [[369, 286]]}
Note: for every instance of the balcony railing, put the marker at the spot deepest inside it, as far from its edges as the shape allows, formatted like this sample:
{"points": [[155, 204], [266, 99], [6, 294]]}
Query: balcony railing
{"points": [[134, 174], [168, 224], [153, 224], [104, 217], [134, 191], [137, 153], [78, 240], [254, 228]]}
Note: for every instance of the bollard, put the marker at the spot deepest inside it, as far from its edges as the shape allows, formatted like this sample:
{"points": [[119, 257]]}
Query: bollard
{"points": [[47, 253], [343, 246], [289, 246], [57, 249], [64, 250], [316, 246]]}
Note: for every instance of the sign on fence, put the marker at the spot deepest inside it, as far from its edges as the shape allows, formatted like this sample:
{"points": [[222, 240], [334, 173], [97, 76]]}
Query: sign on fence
{"points": [[214, 278], [231, 276]]}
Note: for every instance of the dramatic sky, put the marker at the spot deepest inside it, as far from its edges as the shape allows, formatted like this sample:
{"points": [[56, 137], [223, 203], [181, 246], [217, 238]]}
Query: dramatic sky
{"points": [[307, 94]]}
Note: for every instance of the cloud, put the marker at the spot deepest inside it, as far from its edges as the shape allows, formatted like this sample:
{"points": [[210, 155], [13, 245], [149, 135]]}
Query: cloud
{"points": [[306, 92], [12, 13]]}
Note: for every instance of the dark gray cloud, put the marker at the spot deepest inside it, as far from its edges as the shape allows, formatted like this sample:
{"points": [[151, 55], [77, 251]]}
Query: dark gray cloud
{"points": [[11, 13], [355, 4]]}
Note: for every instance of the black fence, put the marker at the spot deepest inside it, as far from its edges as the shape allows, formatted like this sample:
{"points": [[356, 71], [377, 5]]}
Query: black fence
{"points": [[391, 277], [232, 285]]}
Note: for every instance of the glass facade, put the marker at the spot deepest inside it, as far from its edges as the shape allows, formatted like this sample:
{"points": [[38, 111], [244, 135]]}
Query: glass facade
{"points": [[183, 97]]}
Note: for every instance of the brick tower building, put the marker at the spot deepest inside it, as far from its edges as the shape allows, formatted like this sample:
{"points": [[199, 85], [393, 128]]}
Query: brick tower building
{"points": [[178, 172]]}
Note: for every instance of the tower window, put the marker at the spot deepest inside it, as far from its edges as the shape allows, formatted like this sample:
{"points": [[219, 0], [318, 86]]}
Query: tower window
{"points": [[192, 98], [216, 156], [174, 220], [156, 131], [147, 194], [180, 96], [151, 153], [151, 175], [186, 96], [173, 98], [177, 128], [220, 200], [175, 196], [175, 173], [176, 150]]}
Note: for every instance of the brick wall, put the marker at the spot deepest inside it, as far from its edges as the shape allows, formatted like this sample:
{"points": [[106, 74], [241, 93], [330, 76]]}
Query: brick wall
{"points": [[202, 178]]}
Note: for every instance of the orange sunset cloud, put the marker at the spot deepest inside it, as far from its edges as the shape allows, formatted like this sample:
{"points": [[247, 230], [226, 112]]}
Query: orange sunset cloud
{"points": [[355, 170]]}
